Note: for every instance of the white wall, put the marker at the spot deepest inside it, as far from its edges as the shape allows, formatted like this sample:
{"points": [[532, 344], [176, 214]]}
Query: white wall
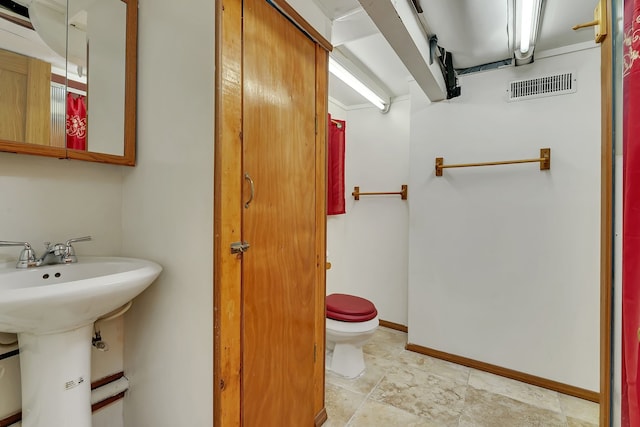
{"points": [[504, 261], [168, 218], [46, 199], [368, 246], [109, 416]]}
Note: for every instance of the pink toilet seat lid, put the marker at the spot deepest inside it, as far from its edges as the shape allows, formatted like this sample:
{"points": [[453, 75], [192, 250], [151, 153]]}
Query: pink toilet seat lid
{"points": [[350, 308]]}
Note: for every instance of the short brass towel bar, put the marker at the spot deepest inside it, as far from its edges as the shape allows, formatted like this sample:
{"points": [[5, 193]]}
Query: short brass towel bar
{"points": [[544, 160], [403, 193]]}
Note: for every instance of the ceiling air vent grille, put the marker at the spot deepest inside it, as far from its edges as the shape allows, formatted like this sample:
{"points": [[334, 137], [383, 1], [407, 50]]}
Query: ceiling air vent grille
{"points": [[559, 84]]}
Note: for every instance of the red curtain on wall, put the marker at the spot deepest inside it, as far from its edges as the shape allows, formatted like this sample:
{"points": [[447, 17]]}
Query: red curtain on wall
{"points": [[335, 167], [76, 122], [631, 216]]}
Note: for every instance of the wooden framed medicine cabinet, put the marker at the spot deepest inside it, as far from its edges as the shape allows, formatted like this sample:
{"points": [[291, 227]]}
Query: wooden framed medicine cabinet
{"points": [[36, 77]]}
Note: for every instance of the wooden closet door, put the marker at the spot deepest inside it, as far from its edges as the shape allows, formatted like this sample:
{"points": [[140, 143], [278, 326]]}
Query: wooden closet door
{"points": [[279, 269]]}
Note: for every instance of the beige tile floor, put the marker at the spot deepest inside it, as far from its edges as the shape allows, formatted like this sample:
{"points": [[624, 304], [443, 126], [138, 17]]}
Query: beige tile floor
{"points": [[403, 388]]}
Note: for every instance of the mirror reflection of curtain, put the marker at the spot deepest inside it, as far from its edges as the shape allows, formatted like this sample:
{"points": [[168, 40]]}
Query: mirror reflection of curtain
{"points": [[631, 217], [76, 122], [335, 167]]}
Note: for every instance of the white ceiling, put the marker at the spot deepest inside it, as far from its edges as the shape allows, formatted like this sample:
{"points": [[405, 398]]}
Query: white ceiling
{"points": [[474, 31]]}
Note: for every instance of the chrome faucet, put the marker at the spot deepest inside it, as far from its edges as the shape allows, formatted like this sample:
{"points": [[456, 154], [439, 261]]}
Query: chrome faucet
{"points": [[59, 253]]}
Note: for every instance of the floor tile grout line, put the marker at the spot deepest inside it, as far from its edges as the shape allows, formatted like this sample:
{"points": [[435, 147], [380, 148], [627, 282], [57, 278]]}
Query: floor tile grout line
{"points": [[365, 399]]}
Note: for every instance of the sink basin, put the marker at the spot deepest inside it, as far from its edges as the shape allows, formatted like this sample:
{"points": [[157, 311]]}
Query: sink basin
{"points": [[62, 297], [52, 309]]}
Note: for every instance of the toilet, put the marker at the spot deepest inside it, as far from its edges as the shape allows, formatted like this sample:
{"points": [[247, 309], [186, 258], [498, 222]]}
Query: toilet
{"points": [[351, 322]]}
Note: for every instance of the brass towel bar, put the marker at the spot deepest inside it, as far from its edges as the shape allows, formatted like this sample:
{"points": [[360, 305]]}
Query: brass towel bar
{"points": [[544, 160], [403, 193]]}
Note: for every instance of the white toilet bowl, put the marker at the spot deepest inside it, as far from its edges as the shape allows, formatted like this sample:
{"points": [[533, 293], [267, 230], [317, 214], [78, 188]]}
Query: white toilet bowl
{"points": [[344, 345], [345, 340]]}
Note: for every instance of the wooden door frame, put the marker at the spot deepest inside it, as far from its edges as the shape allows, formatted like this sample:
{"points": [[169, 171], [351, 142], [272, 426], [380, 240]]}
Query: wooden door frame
{"points": [[606, 220], [227, 274]]}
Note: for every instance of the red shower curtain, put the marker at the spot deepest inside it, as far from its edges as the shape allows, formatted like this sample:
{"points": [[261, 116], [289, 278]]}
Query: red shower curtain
{"points": [[631, 216], [335, 167], [76, 122]]}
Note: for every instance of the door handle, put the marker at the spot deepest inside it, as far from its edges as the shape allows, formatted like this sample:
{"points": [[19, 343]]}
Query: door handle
{"points": [[248, 178]]}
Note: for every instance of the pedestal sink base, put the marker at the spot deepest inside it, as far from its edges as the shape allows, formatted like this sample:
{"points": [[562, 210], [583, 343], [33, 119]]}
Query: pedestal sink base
{"points": [[56, 378], [37, 303]]}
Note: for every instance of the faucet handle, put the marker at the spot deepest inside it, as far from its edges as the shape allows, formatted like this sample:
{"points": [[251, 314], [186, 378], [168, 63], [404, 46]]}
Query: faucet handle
{"points": [[10, 243], [77, 239], [27, 256], [70, 253]]}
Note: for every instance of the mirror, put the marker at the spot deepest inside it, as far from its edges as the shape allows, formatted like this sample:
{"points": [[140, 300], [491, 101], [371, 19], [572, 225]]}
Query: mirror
{"points": [[68, 79]]}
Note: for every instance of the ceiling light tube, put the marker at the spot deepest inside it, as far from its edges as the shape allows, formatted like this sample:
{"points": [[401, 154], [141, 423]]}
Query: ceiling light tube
{"points": [[525, 25], [528, 20], [356, 84]]}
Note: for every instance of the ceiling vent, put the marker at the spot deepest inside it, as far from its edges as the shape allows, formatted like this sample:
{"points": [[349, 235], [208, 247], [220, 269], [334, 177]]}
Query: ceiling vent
{"points": [[558, 84]]}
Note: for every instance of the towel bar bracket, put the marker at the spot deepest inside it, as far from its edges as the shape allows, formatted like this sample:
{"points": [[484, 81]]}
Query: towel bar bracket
{"points": [[545, 153]]}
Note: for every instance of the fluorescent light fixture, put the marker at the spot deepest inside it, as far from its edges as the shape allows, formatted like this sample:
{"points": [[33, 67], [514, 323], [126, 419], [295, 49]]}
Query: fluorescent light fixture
{"points": [[347, 77], [527, 19], [525, 27]]}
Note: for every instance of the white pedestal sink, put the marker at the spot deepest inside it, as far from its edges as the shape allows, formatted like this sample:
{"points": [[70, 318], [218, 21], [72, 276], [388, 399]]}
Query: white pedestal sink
{"points": [[52, 309]]}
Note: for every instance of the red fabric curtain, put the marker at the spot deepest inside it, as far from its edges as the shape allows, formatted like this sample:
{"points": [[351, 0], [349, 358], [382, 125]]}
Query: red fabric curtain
{"points": [[631, 215], [76, 122], [335, 167]]}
